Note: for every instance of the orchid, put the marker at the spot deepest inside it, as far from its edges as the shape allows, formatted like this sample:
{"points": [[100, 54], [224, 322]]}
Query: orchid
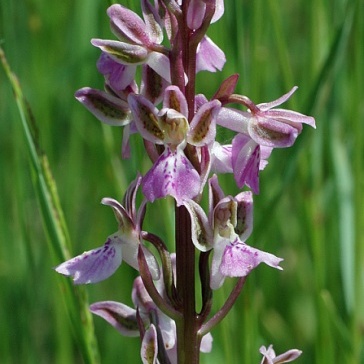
{"points": [[225, 231], [173, 174], [98, 264], [179, 132], [269, 356]]}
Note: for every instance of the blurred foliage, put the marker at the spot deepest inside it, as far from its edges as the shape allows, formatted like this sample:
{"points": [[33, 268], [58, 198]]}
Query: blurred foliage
{"points": [[309, 211]]}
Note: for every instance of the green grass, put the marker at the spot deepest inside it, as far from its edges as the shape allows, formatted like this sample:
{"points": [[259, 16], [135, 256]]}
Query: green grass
{"points": [[309, 211]]}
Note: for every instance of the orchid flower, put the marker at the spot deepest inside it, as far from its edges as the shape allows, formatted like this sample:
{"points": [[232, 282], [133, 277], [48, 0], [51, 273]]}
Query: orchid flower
{"points": [[225, 231], [140, 41], [274, 128], [98, 264], [269, 356], [172, 173], [260, 130]]}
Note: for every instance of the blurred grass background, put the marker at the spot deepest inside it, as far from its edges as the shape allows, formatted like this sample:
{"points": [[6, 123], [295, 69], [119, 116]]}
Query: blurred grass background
{"points": [[309, 211]]}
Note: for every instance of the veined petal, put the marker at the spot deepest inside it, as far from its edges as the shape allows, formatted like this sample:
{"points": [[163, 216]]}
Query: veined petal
{"points": [[120, 316], [149, 348], [152, 21], [233, 119], [127, 25], [244, 215], [172, 175], [107, 108], [95, 265], [152, 85], [245, 162], [174, 99], [209, 56], [203, 126], [145, 118], [202, 235], [240, 259], [118, 76], [290, 117], [124, 53], [272, 133]]}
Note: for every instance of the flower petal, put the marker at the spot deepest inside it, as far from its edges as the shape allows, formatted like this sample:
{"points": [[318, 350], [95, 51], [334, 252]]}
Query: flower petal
{"points": [[160, 63], [145, 118], [272, 132], [107, 108], [95, 265], [244, 215], [240, 259], [203, 126], [130, 256], [195, 13], [221, 158], [152, 85], [245, 162], [232, 119], [269, 105], [149, 348], [127, 25], [152, 22], [202, 236], [172, 175], [206, 343], [209, 56], [124, 53], [175, 99], [120, 316]]}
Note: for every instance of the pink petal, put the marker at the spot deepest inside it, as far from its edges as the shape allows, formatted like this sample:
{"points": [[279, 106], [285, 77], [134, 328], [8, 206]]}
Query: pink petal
{"points": [[209, 56], [149, 348], [240, 259], [127, 25], [272, 133], [175, 99], [221, 158], [245, 162], [106, 107], [120, 316], [203, 125], [269, 105], [172, 175], [95, 265]]}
